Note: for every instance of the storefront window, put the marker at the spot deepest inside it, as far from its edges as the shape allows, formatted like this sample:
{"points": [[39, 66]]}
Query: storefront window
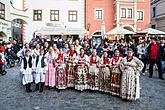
{"points": [[2, 11]]}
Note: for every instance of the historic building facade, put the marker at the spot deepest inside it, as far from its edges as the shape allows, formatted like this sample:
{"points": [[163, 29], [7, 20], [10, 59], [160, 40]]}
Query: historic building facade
{"points": [[133, 15], [53, 18], [158, 14]]}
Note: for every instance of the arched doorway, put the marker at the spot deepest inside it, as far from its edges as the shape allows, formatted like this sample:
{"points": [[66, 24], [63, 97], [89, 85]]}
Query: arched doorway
{"points": [[96, 38], [18, 27]]}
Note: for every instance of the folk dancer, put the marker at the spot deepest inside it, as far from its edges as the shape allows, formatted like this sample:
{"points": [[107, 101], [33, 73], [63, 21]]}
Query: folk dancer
{"points": [[26, 70], [104, 73], [39, 66], [71, 66], [50, 76], [61, 76], [93, 79], [82, 64], [131, 68], [115, 78]]}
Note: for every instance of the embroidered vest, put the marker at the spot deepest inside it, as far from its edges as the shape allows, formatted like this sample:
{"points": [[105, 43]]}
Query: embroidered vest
{"points": [[42, 61], [29, 62]]}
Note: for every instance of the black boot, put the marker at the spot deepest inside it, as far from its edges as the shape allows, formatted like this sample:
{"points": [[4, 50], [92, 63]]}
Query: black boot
{"points": [[41, 87], [29, 87], [37, 87], [26, 85]]}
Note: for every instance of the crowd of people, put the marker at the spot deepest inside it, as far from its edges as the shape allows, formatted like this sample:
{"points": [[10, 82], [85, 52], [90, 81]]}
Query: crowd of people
{"points": [[112, 67]]}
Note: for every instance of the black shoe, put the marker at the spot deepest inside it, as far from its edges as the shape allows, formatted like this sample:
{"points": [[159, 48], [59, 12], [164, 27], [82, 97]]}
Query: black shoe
{"points": [[150, 76], [161, 78], [41, 87], [37, 87]]}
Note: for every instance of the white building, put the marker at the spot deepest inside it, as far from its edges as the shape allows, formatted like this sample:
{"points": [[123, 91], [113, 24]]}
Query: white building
{"points": [[158, 14], [55, 18], [8, 15], [5, 20]]}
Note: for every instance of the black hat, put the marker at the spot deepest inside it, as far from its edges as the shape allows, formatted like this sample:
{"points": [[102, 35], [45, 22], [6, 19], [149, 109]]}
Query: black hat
{"points": [[153, 37]]}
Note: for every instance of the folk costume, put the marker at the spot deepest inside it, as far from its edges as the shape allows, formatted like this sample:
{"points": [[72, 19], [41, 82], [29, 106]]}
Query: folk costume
{"points": [[115, 77], [39, 67], [61, 76], [93, 78], [81, 72], [104, 75], [50, 76], [26, 70], [131, 69], [70, 68]]}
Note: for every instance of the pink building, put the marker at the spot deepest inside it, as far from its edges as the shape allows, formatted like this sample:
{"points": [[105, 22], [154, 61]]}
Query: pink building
{"points": [[133, 15]]}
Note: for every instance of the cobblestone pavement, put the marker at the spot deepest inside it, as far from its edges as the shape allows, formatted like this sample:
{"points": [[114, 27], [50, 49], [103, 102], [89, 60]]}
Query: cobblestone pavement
{"points": [[14, 97]]}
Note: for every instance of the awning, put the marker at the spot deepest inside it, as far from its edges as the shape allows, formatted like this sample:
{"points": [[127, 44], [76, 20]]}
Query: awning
{"points": [[151, 31], [119, 31]]}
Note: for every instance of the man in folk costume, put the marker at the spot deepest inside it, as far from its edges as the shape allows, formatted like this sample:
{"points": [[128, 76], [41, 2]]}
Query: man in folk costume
{"points": [[82, 64], [39, 67], [26, 70], [61, 76], [115, 78], [93, 77], [104, 74], [131, 68], [50, 76], [70, 66]]}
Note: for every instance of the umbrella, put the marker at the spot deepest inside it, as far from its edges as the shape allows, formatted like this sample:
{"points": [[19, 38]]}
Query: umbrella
{"points": [[151, 31], [119, 31]]}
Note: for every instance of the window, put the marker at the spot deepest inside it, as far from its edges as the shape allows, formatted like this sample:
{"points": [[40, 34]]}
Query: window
{"points": [[153, 26], [2, 11], [140, 15], [123, 12], [72, 16], [99, 14], [54, 15], [129, 10], [154, 12], [37, 15]]}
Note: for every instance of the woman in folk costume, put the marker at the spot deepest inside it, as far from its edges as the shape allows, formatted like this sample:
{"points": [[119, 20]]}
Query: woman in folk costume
{"points": [[104, 74], [131, 68], [50, 76], [93, 77], [61, 76], [39, 67], [70, 66], [115, 78], [81, 73], [26, 70], [56, 51]]}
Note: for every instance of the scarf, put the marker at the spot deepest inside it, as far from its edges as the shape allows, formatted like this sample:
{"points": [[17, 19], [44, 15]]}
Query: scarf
{"points": [[105, 60], [92, 60], [115, 60]]}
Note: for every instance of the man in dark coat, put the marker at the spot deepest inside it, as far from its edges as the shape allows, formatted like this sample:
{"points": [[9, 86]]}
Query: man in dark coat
{"points": [[154, 56]]}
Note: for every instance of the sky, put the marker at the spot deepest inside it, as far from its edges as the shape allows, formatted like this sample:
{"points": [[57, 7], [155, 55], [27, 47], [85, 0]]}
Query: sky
{"points": [[17, 4]]}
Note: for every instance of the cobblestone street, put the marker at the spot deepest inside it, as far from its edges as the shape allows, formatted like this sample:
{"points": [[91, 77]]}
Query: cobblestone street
{"points": [[14, 97]]}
